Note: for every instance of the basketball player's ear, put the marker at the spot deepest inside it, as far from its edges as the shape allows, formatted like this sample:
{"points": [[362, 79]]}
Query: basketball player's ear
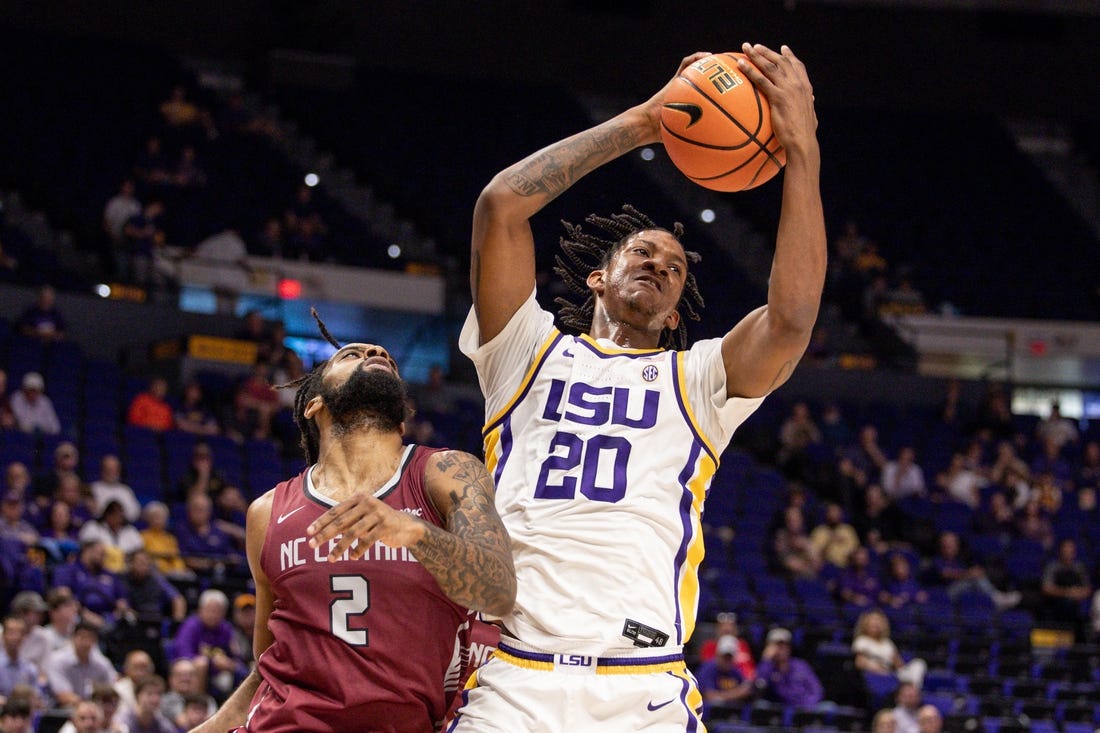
{"points": [[313, 406], [672, 321], [595, 281]]}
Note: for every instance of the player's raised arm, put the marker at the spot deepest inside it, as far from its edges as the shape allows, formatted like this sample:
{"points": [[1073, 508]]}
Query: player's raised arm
{"points": [[502, 257], [761, 351], [234, 710]]}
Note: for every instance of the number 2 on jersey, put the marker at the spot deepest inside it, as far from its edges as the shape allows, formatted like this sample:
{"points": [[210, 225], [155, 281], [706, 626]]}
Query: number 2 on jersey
{"points": [[354, 605], [567, 452]]}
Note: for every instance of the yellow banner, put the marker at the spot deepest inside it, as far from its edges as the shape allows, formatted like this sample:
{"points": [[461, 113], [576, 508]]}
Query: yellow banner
{"points": [[216, 348]]}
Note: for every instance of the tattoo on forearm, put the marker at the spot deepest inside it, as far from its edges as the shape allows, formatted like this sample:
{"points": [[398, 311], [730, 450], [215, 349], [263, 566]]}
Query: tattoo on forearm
{"points": [[555, 169], [471, 559]]}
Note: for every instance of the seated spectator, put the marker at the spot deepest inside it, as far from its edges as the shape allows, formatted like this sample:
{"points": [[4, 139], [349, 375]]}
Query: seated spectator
{"points": [[903, 477], [76, 494], [876, 653], [33, 410], [206, 638], [721, 682], [1066, 587], [17, 477], [110, 487], [834, 540], [1047, 491], [1056, 429], [146, 716], [184, 682], [726, 625], [14, 669], [235, 117], [152, 600], [193, 415], [254, 329], [15, 716], [796, 434], [99, 591], [7, 417], [1051, 462], [195, 711], [179, 112], [858, 585], [866, 456], [31, 607], [137, 666], [152, 167], [994, 413], [929, 719], [59, 533], [13, 527], [201, 476], [270, 242], [881, 524], [66, 458], [161, 544], [793, 551], [86, 716], [189, 173], [835, 431], [435, 397], [1035, 524], [785, 679], [959, 483], [150, 409], [42, 641], [908, 705], [203, 545], [960, 575], [996, 519], [244, 626], [109, 704], [1011, 474], [43, 320], [119, 209], [901, 587], [230, 508], [72, 670], [117, 535], [1088, 473], [255, 402], [144, 240]]}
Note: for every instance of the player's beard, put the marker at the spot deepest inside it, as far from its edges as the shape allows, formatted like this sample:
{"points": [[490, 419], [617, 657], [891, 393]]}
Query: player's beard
{"points": [[369, 398]]}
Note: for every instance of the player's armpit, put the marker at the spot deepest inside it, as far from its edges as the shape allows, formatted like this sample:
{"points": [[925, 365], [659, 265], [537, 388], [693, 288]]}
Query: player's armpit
{"points": [[472, 559]]}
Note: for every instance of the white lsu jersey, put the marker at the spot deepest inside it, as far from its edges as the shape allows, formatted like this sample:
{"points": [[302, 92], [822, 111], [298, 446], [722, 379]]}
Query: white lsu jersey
{"points": [[602, 458]]}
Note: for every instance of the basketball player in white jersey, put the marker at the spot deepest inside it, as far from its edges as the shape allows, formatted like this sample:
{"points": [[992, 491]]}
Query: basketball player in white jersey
{"points": [[603, 444]]}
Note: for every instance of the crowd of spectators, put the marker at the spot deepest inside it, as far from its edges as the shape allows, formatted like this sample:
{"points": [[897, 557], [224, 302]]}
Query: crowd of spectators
{"points": [[149, 225], [125, 611], [974, 510]]}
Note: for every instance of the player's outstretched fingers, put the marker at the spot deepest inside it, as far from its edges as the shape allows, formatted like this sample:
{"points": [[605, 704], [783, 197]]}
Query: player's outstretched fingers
{"points": [[362, 534]]}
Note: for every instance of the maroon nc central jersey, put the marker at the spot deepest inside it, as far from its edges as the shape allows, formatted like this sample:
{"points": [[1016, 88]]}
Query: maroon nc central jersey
{"points": [[360, 645]]}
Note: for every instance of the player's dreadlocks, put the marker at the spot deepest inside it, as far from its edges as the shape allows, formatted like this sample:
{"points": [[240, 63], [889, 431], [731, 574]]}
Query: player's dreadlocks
{"points": [[584, 253], [308, 388]]}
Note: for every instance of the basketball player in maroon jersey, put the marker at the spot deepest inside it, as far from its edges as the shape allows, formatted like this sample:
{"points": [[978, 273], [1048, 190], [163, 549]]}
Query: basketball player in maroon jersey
{"points": [[366, 639]]}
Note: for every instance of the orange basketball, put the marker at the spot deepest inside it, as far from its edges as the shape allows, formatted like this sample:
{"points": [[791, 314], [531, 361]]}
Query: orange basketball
{"points": [[717, 126]]}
